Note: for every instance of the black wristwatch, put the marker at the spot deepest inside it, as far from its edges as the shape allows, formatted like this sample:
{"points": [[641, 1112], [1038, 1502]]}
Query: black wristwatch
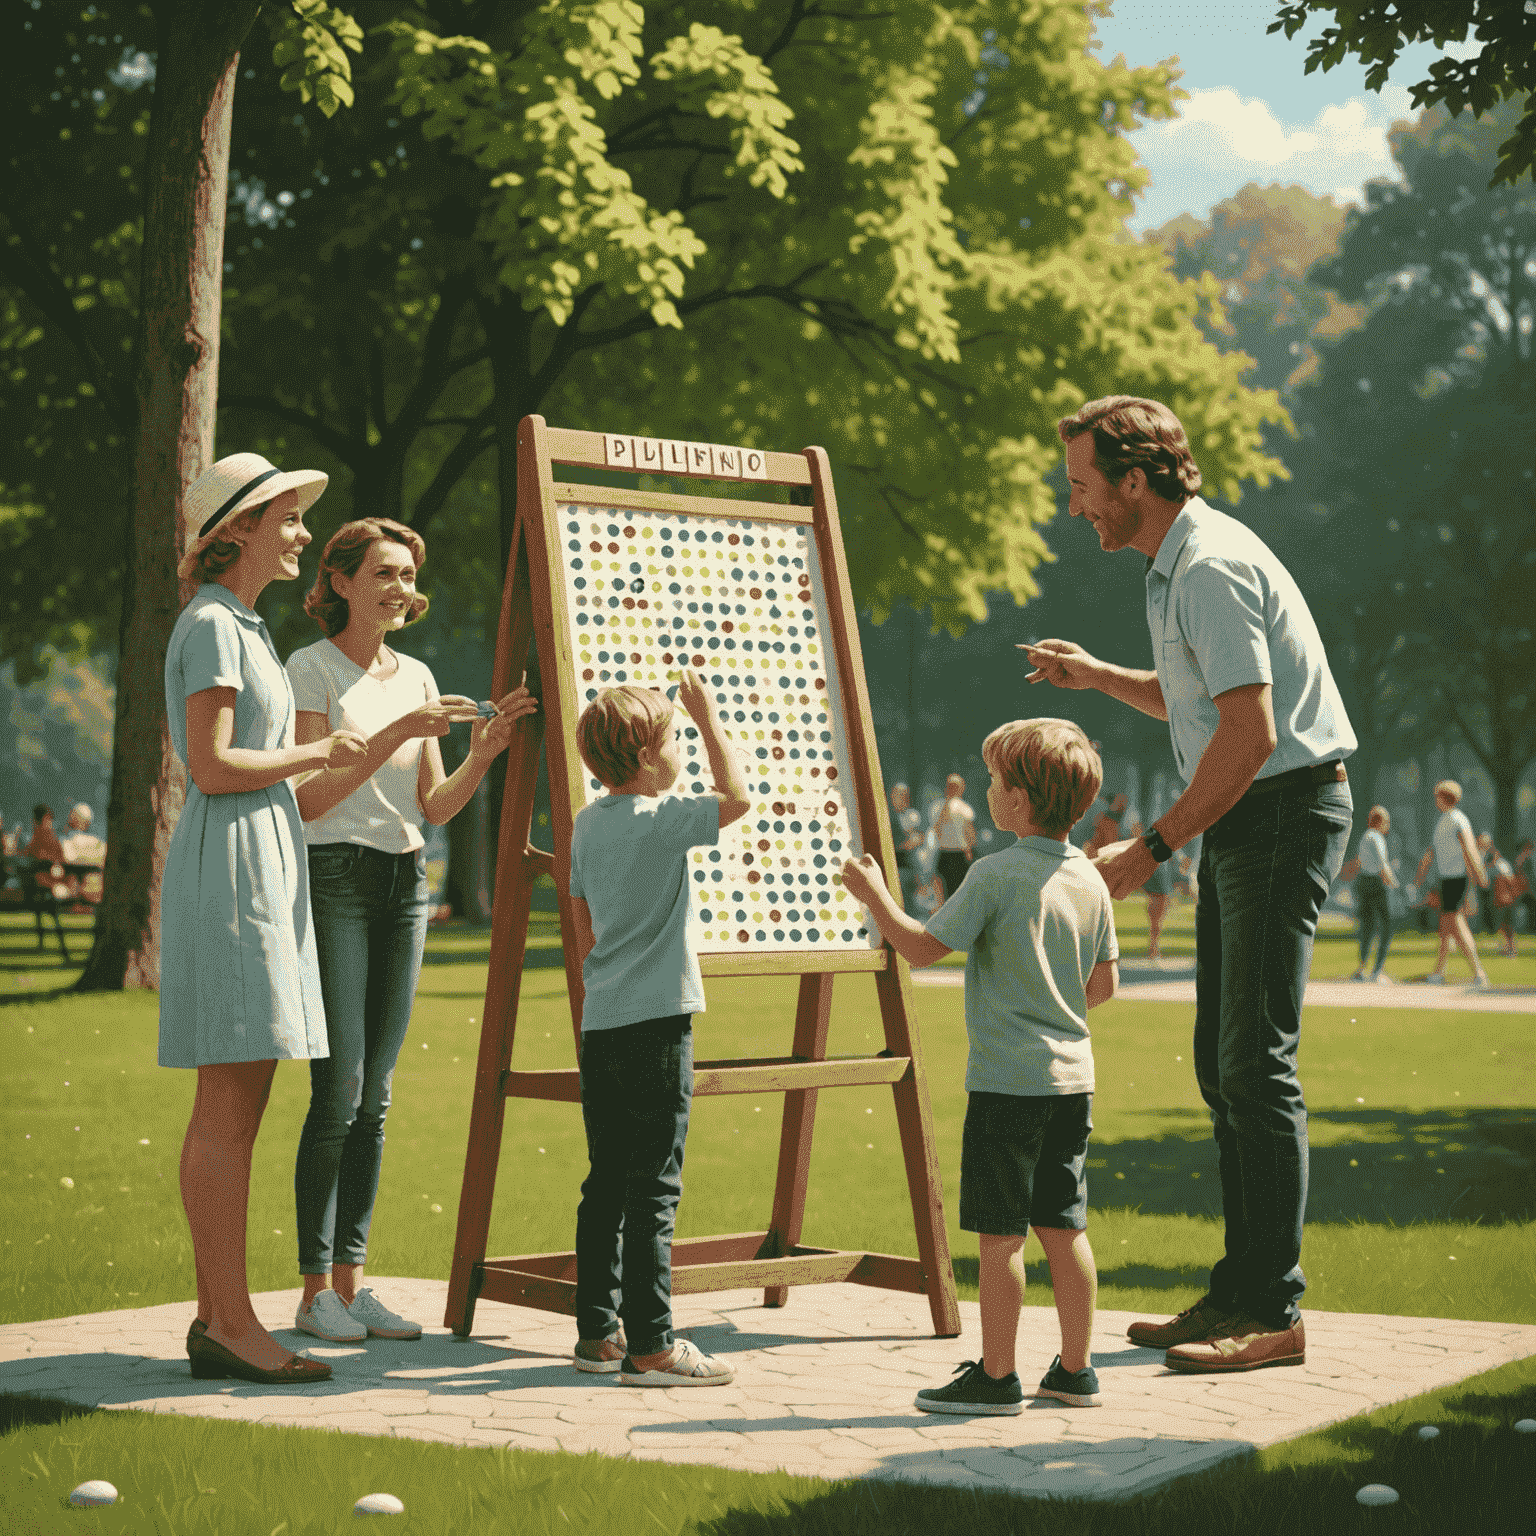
{"points": [[1152, 839]]}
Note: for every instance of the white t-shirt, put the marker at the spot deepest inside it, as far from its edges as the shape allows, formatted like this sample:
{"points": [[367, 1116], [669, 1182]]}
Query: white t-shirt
{"points": [[384, 813], [951, 823], [1450, 860], [1373, 853]]}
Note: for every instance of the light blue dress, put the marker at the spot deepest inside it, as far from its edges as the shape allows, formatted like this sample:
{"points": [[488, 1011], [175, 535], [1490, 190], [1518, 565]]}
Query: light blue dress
{"points": [[239, 979]]}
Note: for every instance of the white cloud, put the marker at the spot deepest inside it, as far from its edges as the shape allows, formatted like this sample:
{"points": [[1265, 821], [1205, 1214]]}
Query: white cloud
{"points": [[1223, 140]]}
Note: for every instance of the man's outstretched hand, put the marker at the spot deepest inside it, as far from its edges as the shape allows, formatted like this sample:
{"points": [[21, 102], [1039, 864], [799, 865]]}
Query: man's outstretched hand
{"points": [[1061, 663]]}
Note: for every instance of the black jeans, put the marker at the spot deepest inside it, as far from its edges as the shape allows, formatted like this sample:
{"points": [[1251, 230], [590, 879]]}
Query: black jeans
{"points": [[636, 1090], [1375, 918], [1265, 871]]}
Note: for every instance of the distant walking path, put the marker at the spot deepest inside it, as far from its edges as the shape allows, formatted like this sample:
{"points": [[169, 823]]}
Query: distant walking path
{"points": [[1141, 983]]}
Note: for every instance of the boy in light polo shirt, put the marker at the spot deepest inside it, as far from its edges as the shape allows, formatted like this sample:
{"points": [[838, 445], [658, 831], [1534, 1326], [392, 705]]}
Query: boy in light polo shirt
{"points": [[629, 894], [1039, 934]]}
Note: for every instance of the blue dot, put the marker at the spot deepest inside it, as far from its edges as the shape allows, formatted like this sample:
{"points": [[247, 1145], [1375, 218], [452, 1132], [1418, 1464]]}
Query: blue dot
{"points": [[698, 875], [761, 935], [812, 934], [794, 934], [778, 933]]}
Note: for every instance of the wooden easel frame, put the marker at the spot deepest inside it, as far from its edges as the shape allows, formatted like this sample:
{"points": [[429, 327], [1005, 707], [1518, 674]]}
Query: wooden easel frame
{"points": [[532, 611]]}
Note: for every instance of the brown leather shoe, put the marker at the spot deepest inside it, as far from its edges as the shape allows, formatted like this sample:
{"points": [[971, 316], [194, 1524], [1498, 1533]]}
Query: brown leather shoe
{"points": [[1246, 1345], [1201, 1321], [212, 1361]]}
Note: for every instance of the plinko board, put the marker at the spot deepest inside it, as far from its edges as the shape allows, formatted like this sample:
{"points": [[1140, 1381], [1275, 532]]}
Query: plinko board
{"points": [[611, 585], [744, 603]]}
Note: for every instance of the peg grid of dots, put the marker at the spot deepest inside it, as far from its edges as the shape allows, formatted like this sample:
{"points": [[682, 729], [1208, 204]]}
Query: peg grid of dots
{"points": [[649, 593]]}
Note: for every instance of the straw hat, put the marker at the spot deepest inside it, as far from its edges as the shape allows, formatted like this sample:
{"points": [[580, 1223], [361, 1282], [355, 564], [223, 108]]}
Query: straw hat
{"points": [[234, 485]]}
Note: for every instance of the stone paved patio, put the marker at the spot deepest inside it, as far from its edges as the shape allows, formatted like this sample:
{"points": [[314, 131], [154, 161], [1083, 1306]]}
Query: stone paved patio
{"points": [[823, 1387]]}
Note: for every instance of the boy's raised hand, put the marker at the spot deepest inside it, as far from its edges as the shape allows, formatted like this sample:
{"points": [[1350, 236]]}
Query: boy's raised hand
{"points": [[691, 695], [863, 877]]}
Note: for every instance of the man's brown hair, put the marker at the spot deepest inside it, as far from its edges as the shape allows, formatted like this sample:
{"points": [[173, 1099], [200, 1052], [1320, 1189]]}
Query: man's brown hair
{"points": [[617, 726], [1132, 433], [1055, 765]]}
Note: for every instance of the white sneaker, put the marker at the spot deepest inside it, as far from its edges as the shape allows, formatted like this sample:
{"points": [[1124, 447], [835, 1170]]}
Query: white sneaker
{"points": [[327, 1318], [690, 1367], [1383, 980], [377, 1319]]}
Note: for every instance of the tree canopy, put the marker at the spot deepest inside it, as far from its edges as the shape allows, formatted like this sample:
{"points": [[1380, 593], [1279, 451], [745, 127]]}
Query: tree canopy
{"points": [[1377, 31]]}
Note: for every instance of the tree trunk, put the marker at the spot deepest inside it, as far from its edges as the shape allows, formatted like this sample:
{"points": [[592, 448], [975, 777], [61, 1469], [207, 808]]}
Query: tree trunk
{"points": [[186, 179]]}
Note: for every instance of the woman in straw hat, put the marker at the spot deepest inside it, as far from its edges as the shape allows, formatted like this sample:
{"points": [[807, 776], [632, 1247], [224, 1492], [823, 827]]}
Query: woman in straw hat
{"points": [[368, 872], [239, 983]]}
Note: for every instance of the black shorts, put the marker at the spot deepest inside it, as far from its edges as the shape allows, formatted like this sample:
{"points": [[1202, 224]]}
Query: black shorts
{"points": [[1452, 894], [950, 866], [1021, 1162]]}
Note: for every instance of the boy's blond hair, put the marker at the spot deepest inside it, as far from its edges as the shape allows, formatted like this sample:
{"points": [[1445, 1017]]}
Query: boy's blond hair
{"points": [[1380, 818], [1055, 765], [617, 726], [1450, 789]]}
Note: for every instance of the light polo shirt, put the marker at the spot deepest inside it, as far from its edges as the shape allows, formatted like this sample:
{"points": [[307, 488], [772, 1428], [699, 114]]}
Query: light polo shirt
{"points": [[629, 863], [1225, 613], [1373, 853], [1450, 856], [1033, 920]]}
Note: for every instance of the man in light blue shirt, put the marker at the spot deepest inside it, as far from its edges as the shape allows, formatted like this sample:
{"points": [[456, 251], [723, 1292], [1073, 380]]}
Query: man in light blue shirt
{"points": [[1260, 735]]}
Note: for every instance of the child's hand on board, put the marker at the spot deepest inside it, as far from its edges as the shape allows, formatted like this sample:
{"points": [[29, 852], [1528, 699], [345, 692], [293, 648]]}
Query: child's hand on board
{"points": [[691, 695], [863, 878]]}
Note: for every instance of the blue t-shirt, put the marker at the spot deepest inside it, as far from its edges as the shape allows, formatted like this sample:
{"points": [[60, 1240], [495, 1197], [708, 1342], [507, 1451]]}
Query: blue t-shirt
{"points": [[1034, 920], [1225, 613], [629, 863]]}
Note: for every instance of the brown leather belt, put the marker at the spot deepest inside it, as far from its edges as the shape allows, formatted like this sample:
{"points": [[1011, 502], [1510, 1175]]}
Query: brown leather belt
{"points": [[1300, 778]]}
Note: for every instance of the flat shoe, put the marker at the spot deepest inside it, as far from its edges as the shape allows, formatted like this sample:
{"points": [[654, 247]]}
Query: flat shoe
{"points": [[211, 1361], [196, 1331]]}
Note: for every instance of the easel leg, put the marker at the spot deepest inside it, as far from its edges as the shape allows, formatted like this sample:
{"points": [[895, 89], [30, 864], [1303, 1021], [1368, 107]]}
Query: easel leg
{"points": [[914, 1121], [813, 1015]]}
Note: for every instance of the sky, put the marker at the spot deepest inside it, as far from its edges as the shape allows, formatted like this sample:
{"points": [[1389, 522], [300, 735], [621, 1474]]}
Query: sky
{"points": [[1253, 113]]}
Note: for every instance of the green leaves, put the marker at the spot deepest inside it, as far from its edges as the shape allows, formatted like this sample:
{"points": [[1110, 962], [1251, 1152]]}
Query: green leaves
{"points": [[310, 40]]}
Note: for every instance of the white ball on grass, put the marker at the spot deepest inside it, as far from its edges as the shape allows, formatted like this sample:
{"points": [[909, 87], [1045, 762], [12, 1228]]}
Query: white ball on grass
{"points": [[96, 1492], [378, 1504], [1428, 1432], [1376, 1493], [1525, 1426]]}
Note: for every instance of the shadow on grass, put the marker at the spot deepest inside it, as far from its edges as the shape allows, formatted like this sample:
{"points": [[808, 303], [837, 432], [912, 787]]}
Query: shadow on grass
{"points": [[1374, 1165]]}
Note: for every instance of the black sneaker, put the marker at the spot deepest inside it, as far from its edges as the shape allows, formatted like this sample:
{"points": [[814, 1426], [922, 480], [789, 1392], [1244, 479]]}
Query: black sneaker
{"points": [[1079, 1389], [974, 1391]]}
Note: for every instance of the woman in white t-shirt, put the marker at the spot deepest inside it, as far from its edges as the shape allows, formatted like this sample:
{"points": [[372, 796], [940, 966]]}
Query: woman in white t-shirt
{"points": [[1371, 870], [1454, 851], [367, 878]]}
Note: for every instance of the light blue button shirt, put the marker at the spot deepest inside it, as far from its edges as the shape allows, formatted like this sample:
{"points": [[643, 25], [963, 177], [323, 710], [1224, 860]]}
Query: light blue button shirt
{"points": [[1225, 613]]}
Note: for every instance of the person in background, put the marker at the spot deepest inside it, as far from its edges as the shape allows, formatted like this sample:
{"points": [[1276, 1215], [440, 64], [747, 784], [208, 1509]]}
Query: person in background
{"points": [[954, 825], [1456, 858], [1501, 876], [1106, 826], [1484, 893], [80, 844], [908, 834], [44, 879], [368, 876], [1371, 870], [1159, 891], [1525, 882]]}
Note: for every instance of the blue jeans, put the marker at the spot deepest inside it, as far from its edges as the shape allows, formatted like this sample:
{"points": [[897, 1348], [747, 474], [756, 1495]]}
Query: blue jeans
{"points": [[1265, 871], [636, 1090], [1375, 918], [370, 913]]}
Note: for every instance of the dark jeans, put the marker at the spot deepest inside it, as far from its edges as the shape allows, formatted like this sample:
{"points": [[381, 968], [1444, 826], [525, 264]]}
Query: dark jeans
{"points": [[636, 1089], [1375, 918], [1265, 871], [370, 911]]}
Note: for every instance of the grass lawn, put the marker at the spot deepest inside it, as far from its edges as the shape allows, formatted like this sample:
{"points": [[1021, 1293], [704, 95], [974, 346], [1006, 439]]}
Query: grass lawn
{"points": [[1421, 1204]]}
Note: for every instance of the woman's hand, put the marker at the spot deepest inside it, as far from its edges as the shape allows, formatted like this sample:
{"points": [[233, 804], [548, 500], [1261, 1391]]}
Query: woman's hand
{"points": [[343, 749], [435, 716], [492, 736]]}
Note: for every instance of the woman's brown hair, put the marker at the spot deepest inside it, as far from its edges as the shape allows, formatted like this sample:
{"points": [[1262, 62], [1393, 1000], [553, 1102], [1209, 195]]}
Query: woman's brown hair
{"points": [[217, 557], [344, 554]]}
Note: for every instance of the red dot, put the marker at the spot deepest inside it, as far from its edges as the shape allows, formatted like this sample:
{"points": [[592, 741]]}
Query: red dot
{"points": [[666, 658], [698, 661], [586, 675], [597, 548], [613, 549], [775, 917], [636, 658], [629, 533], [762, 843], [821, 682], [831, 773], [753, 877], [741, 933], [831, 807]]}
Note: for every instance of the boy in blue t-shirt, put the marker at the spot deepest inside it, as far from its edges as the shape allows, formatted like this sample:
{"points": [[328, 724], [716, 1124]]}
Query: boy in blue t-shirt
{"points": [[630, 903], [1036, 923]]}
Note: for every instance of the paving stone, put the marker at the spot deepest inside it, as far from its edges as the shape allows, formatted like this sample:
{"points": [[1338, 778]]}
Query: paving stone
{"points": [[824, 1387]]}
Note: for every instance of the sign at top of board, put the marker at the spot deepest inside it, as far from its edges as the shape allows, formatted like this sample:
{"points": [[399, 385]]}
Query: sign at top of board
{"points": [[668, 456]]}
